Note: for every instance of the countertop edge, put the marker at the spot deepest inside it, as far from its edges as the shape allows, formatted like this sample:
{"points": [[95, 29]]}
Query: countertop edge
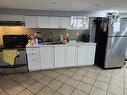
{"points": [[70, 44]]}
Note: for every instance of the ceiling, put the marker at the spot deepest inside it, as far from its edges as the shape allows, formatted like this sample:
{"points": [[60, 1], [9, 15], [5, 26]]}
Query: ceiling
{"points": [[65, 5]]}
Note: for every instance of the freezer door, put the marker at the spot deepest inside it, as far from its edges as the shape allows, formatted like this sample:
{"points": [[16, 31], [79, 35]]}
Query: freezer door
{"points": [[118, 28], [115, 52]]}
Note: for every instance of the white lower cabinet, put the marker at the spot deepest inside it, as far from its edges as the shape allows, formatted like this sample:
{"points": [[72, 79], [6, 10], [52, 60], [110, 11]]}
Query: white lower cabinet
{"points": [[46, 56], [59, 54], [85, 55], [33, 58], [71, 56]]}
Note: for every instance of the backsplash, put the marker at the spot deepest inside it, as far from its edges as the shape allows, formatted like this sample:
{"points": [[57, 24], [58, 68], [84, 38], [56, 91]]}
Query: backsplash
{"points": [[44, 34]]}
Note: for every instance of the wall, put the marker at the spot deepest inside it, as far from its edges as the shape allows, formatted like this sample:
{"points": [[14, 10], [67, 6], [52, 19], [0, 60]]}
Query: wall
{"points": [[45, 34], [51, 13], [1, 34]]}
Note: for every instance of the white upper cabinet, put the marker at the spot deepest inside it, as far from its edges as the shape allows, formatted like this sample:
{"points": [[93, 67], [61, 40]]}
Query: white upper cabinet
{"points": [[54, 22], [65, 22], [47, 22], [31, 21], [43, 22]]}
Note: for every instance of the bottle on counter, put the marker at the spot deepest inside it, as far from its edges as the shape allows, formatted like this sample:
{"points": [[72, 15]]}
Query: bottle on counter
{"points": [[61, 38]]}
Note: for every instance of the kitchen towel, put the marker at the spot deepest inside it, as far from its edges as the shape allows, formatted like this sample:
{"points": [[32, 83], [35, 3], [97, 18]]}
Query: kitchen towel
{"points": [[9, 56]]}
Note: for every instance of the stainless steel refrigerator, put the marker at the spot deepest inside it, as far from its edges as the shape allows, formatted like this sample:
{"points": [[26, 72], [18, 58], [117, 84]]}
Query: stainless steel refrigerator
{"points": [[111, 39]]}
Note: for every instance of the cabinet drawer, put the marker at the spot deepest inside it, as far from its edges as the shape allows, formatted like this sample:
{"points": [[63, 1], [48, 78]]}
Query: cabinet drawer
{"points": [[32, 50]]}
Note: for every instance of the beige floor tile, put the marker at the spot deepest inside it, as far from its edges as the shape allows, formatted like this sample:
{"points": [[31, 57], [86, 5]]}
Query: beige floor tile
{"points": [[57, 93], [101, 85], [35, 87], [115, 90], [37, 77], [118, 77], [26, 92], [46, 91], [118, 71], [77, 76], [105, 74], [59, 70], [72, 69], [18, 77], [15, 90], [46, 80], [7, 83], [117, 83], [27, 82], [68, 73], [66, 90], [72, 82], [3, 93], [88, 80], [97, 71], [82, 72], [104, 79], [62, 78], [92, 75], [87, 68], [97, 91], [52, 74], [84, 87], [55, 84], [78, 92]]}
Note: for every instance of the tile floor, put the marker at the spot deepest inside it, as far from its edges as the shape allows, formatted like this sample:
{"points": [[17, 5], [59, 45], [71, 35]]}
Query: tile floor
{"points": [[71, 81]]}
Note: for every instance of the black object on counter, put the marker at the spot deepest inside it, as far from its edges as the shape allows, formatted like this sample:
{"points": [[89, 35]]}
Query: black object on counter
{"points": [[12, 41]]}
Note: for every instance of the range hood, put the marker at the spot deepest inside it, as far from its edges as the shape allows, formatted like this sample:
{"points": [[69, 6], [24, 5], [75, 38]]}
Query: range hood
{"points": [[12, 23]]}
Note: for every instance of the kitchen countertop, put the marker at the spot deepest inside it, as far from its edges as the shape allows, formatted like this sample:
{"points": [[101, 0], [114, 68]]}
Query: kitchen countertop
{"points": [[69, 44]]}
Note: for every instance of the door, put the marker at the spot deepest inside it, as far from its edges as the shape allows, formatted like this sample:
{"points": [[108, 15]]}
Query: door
{"points": [[54, 22], [31, 21], [71, 56], [86, 55], [43, 22], [115, 54], [34, 62], [46, 57], [59, 54], [65, 22]]}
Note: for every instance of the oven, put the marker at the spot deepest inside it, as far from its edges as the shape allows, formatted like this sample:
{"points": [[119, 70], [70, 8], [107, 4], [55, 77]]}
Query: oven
{"points": [[17, 42]]}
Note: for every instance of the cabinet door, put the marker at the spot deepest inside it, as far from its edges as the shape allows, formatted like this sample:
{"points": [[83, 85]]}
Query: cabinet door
{"points": [[46, 57], [31, 21], [43, 22], [65, 22], [34, 62], [59, 54], [71, 56], [86, 55], [54, 22]]}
